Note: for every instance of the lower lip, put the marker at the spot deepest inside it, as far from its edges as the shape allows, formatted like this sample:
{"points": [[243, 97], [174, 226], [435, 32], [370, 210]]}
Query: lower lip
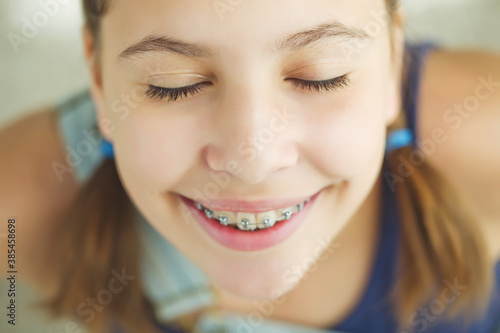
{"points": [[249, 240]]}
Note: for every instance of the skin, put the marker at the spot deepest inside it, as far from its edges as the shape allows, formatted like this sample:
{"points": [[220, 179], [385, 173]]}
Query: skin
{"points": [[334, 140]]}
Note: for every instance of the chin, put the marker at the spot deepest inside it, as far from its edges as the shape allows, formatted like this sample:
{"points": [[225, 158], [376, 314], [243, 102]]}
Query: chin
{"points": [[257, 287], [264, 276]]}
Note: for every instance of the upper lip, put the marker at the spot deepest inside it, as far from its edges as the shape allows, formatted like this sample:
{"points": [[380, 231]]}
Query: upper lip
{"points": [[257, 206]]}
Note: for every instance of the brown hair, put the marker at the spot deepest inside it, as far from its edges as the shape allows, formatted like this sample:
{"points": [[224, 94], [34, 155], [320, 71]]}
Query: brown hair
{"points": [[440, 239]]}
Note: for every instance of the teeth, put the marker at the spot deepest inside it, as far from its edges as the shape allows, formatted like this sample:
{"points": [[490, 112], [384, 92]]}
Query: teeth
{"points": [[230, 218], [208, 213], [266, 220], [286, 213], [248, 221], [223, 220]]}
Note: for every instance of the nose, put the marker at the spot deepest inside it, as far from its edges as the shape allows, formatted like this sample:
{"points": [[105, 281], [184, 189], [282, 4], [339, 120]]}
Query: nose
{"points": [[252, 136]]}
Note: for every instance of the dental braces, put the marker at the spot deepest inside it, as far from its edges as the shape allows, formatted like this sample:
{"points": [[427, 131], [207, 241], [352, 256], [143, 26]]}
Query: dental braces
{"points": [[245, 223]]}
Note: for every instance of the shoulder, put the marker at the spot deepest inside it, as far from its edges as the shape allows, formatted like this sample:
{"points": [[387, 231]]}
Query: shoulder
{"points": [[459, 117], [31, 192]]}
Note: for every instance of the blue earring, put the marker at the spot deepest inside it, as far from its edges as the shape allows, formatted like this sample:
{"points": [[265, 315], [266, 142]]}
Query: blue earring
{"points": [[399, 138], [107, 149]]}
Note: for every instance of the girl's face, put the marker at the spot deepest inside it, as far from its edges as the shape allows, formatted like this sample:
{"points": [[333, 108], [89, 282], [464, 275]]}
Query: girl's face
{"points": [[252, 133]]}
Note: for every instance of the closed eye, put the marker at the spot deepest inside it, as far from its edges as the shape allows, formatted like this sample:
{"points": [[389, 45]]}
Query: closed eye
{"points": [[173, 94], [325, 85]]}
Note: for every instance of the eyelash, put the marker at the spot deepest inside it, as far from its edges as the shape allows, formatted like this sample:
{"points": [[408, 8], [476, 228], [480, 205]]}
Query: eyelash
{"points": [[325, 85], [172, 94]]}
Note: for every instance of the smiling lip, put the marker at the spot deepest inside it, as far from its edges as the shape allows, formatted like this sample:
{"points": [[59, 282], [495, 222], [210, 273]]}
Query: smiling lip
{"points": [[240, 240], [251, 206]]}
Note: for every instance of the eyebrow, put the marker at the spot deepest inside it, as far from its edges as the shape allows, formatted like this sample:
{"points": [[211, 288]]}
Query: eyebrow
{"points": [[293, 43]]}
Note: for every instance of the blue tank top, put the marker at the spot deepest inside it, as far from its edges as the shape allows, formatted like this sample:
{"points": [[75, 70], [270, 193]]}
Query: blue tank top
{"points": [[373, 313]]}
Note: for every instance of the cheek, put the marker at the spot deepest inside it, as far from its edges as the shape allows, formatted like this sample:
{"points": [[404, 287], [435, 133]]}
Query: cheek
{"points": [[157, 150], [348, 132]]}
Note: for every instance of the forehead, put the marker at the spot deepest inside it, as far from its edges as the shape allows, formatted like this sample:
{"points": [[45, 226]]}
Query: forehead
{"points": [[223, 24]]}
